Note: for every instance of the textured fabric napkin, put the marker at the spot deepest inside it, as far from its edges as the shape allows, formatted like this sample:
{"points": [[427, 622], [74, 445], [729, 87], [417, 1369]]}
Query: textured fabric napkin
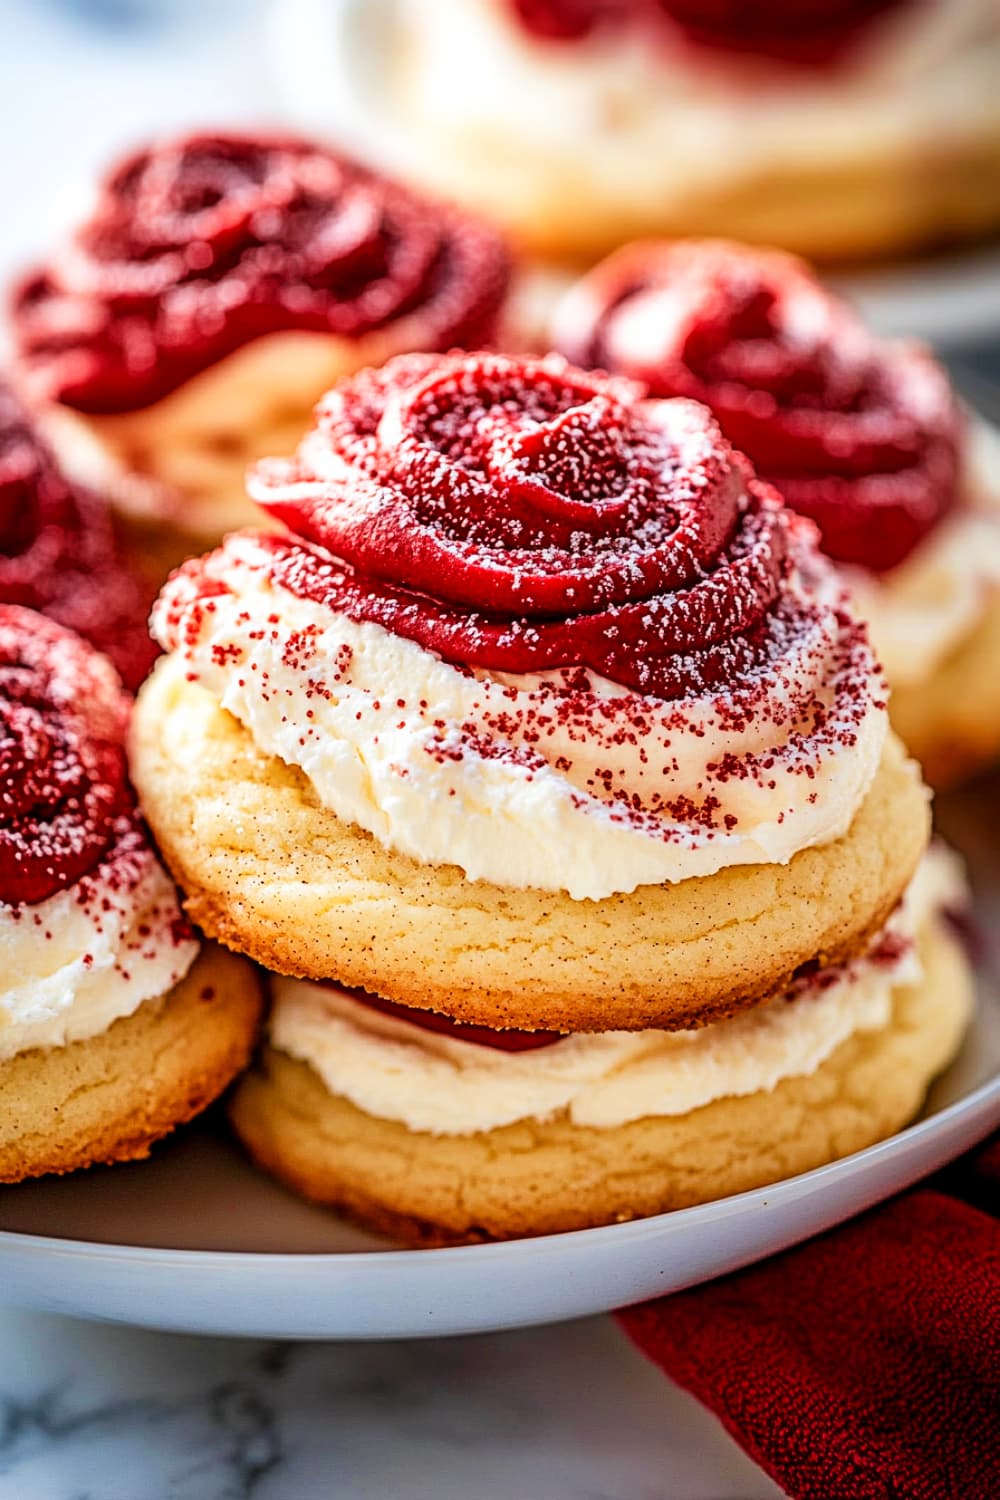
{"points": [[864, 1364]]}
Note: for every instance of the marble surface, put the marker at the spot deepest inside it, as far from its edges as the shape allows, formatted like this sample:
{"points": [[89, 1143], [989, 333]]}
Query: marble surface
{"points": [[90, 1412]]}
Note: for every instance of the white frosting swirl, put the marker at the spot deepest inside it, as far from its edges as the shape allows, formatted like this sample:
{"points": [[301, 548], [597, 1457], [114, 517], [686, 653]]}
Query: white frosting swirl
{"points": [[396, 1070], [90, 954], [508, 776]]}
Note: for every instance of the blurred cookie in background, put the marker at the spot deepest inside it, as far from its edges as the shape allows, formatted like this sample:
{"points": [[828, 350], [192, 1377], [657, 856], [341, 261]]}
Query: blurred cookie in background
{"points": [[864, 435], [60, 554], [219, 286], [842, 129]]}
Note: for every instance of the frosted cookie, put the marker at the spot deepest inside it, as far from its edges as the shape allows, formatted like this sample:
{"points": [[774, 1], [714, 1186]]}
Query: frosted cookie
{"points": [[849, 128], [219, 285], [548, 714], [437, 1133], [116, 1024], [863, 435], [59, 553]]}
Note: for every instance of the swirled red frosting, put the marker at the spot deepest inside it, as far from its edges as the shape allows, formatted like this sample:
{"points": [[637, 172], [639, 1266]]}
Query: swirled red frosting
{"points": [[59, 554], [569, 20], [65, 797], [518, 515], [198, 246], [807, 31], [861, 435], [801, 30]]}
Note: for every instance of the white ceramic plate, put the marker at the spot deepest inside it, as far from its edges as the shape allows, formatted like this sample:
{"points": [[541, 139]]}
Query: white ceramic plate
{"points": [[196, 1240], [329, 57]]}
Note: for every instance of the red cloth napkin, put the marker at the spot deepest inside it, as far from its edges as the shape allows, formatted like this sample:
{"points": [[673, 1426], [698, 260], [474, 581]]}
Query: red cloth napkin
{"points": [[864, 1364]]}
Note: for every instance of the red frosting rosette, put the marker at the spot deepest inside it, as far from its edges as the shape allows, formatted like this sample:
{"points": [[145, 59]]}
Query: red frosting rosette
{"points": [[808, 31], [58, 552], [520, 515], [65, 798], [859, 434], [197, 246]]}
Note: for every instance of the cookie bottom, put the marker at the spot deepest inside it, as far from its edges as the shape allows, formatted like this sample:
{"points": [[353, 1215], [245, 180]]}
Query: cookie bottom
{"points": [[951, 723], [545, 1177], [108, 1098]]}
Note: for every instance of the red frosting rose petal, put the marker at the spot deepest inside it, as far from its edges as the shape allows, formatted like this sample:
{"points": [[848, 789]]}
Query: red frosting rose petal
{"points": [[519, 515], [810, 31], [199, 246], [569, 20], [805, 31], [58, 552], [860, 435], [65, 798]]}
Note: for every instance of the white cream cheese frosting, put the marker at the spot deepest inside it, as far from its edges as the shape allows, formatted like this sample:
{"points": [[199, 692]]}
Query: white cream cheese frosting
{"points": [[396, 1070], [73, 964], [485, 770]]}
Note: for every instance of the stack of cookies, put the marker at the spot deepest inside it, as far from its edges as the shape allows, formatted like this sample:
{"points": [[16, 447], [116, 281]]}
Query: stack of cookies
{"points": [[543, 761], [523, 733]]}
